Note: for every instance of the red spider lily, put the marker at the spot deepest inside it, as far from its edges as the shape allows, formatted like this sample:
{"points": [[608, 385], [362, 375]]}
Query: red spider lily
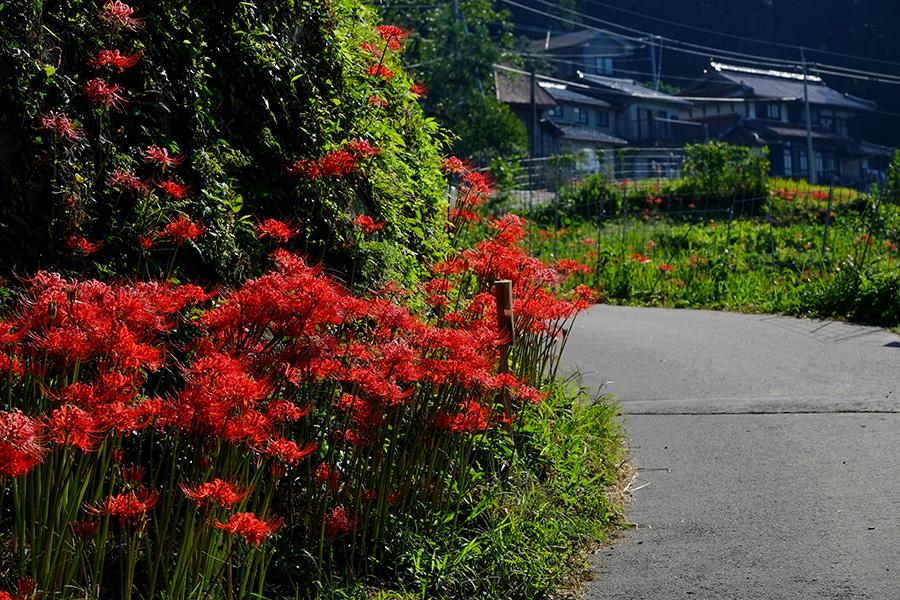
{"points": [[665, 268], [132, 474], [288, 451], [218, 491], [276, 229], [338, 162], [532, 395], [119, 14], [114, 59], [293, 301], [475, 417], [640, 258], [249, 427], [419, 90], [377, 100], [147, 241], [14, 462], [364, 412], [21, 443], [71, 425], [455, 165], [326, 475], [380, 71], [126, 180], [80, 243], [284, 410], [181, 228], [83, 528], [160, 156], [99, 93], [307, 168], [360, 149], [249, 526], [127, 505], [25, 590], [392, 35], [60, 123], [366, 223], [510, 229], [338, 522], [476, 186], [566, 265], [174, 189]]}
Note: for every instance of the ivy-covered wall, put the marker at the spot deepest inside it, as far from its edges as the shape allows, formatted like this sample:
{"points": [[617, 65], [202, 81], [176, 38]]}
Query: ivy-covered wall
{"points": [[159, 139]]}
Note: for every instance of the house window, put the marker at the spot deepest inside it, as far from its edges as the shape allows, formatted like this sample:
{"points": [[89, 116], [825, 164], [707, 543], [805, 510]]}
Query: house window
{"points": [[788, 162], [602, 118], [556, 111], [840, 126], [603, 65], [580, 115], [773, 111], [802, 161]]}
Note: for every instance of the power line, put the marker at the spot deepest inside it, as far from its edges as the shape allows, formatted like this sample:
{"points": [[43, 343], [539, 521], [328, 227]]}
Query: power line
{"points": [[733, 56], [738, 37], [768, 62], [719, 51]]}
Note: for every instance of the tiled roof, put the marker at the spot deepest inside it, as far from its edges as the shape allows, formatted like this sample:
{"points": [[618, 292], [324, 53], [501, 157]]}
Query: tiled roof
{"points": [[630, 87], [563, 94], [515, 88], [776, 85], [587, 134]]}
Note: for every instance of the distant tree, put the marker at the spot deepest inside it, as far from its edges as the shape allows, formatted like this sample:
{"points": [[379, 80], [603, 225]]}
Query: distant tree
{"points": [[451, 49]]}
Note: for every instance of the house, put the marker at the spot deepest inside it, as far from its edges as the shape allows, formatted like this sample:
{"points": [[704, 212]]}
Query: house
{"points": [[562, 120], [593, 115], [645, 117], [590, 51], [757, 108]]}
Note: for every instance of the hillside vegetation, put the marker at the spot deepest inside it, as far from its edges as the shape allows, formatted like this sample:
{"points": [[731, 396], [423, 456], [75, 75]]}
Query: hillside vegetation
{"points": [[114, 124]]}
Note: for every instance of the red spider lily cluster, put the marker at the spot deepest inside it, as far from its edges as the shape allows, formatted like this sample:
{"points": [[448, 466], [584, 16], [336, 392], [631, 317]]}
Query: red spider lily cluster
{"points": [[213, 399], [367, 224], [119, 15], [393, 35], [275, 229], [101, 94], [160, 156], [181, 229], [336, 163], [114, 59], [61, 125], [251, 528]]}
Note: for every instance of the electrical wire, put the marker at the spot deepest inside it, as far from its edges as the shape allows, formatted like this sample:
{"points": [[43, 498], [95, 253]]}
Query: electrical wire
{"points": [[695, 49], [739, 37]]}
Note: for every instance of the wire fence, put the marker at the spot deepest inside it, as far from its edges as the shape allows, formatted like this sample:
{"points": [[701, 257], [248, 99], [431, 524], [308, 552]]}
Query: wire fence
{"points": [[646, 202]]}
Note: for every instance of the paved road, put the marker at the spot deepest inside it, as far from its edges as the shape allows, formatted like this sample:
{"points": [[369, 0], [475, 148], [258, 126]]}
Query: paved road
{"points": [[768, 454]]}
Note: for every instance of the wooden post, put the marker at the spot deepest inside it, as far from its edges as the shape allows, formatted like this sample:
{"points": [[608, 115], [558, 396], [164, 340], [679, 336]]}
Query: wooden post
{"points": [[506, 329]]}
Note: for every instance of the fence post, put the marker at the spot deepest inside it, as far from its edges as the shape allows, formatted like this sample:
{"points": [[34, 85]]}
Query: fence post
{"points": [[772, 234], [507, 331], [827, 223]]}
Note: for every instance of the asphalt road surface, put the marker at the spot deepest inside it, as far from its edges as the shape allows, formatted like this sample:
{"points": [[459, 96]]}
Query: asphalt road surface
{"points": [[767, 449]]}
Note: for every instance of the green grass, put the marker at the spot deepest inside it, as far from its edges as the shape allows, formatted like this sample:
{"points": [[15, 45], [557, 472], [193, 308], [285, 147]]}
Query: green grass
{"points": [[527, 522], [795, 263]]}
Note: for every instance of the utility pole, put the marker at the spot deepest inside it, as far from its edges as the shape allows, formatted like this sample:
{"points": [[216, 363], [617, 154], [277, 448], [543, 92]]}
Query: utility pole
{"points": [[653, 63], [809, 144], [534, 119]]}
